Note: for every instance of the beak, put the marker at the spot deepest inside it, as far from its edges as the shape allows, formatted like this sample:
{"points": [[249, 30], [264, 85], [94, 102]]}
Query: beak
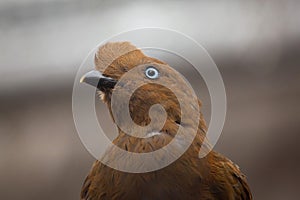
{"points": [[96, 79]]}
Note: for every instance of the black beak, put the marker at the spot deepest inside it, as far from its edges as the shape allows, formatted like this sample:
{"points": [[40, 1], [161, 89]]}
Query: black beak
{"points": [[96, 79]]}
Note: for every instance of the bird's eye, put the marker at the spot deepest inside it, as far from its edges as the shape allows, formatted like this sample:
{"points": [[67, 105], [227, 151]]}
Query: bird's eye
{"points": [[152, 73]]}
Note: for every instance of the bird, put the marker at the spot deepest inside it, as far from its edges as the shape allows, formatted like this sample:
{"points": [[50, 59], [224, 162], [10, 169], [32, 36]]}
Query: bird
{"points": [[213, 177]]}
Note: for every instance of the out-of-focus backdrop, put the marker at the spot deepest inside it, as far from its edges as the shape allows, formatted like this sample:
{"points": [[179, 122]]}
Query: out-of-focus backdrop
{"points": [[255, 44]]}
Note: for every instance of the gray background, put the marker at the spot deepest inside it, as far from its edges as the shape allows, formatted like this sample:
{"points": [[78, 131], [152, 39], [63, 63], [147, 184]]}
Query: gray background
{"points": [[256, 46]]}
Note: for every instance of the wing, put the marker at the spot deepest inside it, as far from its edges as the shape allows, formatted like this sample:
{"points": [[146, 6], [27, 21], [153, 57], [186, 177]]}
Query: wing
{"points": [[232, 182], [238, 181], [86, 190]]}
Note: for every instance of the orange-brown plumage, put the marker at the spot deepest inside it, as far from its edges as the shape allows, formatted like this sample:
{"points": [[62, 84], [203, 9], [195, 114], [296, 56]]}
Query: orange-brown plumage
{"points": [[189, 177]]}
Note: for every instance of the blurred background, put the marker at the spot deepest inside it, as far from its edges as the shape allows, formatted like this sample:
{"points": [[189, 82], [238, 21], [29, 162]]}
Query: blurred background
{"points": [[255, 44]]}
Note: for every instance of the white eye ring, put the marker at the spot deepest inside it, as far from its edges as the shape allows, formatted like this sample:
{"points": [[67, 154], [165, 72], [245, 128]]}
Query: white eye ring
{"points": [[152, 73]]}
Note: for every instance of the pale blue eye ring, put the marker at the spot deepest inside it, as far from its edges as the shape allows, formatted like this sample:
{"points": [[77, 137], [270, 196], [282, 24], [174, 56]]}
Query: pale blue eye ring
{"points": [[152, 72]]}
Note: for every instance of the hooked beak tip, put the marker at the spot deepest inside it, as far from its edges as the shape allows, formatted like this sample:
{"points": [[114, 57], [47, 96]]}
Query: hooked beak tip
{"points": [[82, 79], [96, 79]]}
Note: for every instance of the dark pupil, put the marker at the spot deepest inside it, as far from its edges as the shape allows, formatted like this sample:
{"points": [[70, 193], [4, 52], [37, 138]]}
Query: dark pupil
{"points": [[151, 72]]}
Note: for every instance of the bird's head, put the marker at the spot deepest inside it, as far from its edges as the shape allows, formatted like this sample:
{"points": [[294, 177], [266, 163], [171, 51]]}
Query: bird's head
{"points": [[113, 61]]}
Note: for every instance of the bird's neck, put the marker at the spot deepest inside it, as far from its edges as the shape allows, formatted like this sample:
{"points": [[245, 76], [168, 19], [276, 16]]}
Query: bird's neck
{"points": [[155, 140], [158, 139]]}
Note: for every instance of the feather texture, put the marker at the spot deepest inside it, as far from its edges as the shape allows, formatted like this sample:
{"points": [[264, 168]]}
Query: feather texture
{"points": [[213, 177]]}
